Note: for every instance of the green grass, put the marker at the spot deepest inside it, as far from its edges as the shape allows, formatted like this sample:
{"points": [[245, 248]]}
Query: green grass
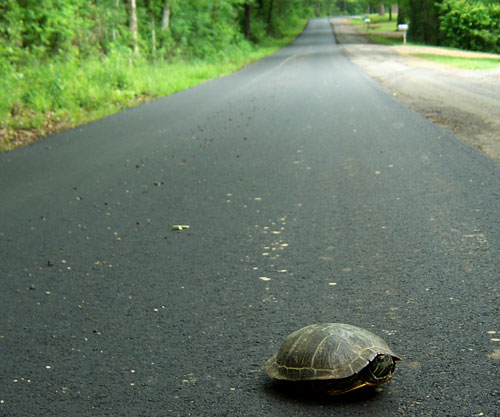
{"points": [[40, 98], [381, 24], [380, 30], [385, 40], [378, 23], [466, 63]]}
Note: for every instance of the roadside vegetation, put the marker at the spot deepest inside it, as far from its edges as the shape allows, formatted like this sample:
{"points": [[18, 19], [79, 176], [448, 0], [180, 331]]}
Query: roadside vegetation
{"points": [[63, 63], [462, 62], [67, 63], [465, 24], [383, 30], [45, 97]]}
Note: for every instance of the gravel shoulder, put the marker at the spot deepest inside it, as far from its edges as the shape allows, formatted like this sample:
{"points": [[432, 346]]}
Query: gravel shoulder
{"points": [[464, 102]]}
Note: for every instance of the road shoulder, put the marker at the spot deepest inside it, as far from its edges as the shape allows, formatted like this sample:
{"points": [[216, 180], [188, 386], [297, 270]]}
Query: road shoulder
{"points": [[464, 102]]}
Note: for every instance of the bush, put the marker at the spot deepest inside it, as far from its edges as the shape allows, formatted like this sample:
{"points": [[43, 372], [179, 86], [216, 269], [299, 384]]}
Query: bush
{"points": [[471, 25], [64, 63]]}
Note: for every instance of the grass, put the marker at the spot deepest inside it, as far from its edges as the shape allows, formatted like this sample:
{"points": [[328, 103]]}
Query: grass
{"points": [[380, 29], [377, 23], [385, 40], [461, 62], [41, 98], [383, 31]]}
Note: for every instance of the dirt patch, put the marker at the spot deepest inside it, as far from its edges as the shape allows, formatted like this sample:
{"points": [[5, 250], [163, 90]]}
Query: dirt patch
{"points": [[13, 138], [465, 102]]}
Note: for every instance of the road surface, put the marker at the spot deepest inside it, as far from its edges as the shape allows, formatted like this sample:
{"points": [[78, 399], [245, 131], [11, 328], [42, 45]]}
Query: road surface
{"points": [[464, 102], [310, 195]]}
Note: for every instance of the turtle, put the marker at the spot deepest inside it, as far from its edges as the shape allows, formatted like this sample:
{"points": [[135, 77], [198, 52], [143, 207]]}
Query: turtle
{"points": [[337, 357]]}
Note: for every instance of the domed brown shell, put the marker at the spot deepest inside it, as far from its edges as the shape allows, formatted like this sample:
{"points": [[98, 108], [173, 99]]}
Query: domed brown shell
{"points": [[325, 351]]}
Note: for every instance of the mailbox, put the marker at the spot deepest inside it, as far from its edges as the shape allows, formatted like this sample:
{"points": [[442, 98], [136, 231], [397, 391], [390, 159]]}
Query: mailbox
{"points": [[403, 27]]}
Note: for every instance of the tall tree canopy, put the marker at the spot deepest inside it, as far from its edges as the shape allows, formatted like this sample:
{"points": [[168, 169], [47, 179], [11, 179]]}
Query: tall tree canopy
{"points": [[51, 28], [199, 27]]}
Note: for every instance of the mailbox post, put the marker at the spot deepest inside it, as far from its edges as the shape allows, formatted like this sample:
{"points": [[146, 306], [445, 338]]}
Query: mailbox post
{"points": [[367, 22], [404, 28]]}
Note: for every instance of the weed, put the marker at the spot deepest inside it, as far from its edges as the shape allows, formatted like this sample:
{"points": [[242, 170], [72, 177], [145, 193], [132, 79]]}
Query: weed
{"points": [[39, 97], [461, 62]]}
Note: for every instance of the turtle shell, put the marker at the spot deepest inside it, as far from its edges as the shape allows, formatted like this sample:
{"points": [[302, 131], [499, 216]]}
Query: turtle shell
{"points": [[326, 351]]}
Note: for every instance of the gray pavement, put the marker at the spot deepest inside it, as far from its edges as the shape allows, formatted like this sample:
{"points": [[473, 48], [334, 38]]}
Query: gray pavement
{"points": [[464, 102], [311, 196]]}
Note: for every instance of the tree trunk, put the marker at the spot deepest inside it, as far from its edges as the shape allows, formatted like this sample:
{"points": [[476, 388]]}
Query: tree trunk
{"points": [[165, 21], [214, 12], [247, 19], [401, 14], [153, 34], [113, 31], [133, 26], [381, 10], [270, 16], [261, 7]]}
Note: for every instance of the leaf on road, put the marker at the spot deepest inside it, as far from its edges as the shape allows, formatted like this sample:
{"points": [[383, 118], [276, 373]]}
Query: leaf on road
{"points": [[179, 227], [495, 354]]}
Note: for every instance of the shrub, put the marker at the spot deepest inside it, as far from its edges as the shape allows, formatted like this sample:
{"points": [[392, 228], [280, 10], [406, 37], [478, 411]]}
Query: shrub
{"points": [[471, 25]]}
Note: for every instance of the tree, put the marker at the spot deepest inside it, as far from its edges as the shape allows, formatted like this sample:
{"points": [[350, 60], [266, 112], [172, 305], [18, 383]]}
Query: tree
{"points": [[48, 28], [247, 19], [424, 21], [134, 27], [472, 24], [401, 12], [165, 20], [270, 16]]}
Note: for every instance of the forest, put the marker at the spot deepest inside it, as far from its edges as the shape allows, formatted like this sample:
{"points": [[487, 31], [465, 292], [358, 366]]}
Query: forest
{"points": [[64, 63]]}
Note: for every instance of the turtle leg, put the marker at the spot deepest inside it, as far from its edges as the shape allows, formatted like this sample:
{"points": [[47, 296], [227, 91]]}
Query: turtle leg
{"points": [[345, 389], [344, 385]]}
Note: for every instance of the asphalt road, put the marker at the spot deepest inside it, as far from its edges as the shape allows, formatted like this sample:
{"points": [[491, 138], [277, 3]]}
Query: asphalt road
{"points": [[464, 102], [311, 196]]}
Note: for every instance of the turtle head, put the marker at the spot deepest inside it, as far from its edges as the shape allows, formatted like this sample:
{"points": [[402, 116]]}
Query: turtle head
{"points": [[381, 368]]}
